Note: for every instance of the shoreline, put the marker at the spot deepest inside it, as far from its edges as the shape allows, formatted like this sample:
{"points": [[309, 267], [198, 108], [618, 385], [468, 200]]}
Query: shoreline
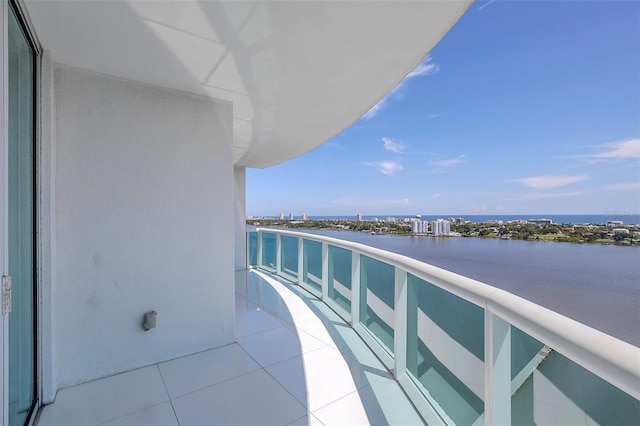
{"points": [[603, 234]]}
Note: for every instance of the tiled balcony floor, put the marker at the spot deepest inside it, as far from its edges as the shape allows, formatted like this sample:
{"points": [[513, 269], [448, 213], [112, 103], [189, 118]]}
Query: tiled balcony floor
{"points": [[295, 362]]}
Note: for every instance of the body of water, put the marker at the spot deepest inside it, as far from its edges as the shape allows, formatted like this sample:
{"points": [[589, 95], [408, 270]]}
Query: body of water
{"points": [[595, 284]]}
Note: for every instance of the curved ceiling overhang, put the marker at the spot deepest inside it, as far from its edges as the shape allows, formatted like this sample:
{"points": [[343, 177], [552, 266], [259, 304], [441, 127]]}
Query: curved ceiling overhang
{"points": [[297, 72]]}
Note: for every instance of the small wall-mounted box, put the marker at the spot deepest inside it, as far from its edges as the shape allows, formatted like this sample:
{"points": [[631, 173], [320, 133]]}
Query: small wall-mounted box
{"points": [[149, 321]]}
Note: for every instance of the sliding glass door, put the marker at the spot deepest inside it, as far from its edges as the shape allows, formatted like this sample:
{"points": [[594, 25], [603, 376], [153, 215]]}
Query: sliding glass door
{"points": [[21, 235]]}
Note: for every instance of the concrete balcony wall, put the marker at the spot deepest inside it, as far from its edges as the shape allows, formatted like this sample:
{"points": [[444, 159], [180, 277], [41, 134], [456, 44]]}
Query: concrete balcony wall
{"points": [[144, 214], [240, 227]]}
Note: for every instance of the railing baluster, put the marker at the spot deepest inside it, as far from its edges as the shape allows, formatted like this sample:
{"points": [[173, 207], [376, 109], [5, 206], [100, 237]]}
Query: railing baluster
{"points": [[301, 267], [325, 271], [278, 254], [259, 248], [401, 318], [497, 368], [355, 288]]}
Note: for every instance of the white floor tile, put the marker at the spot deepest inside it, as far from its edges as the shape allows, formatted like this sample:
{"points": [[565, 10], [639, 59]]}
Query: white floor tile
{"points": [[106, 399], [252, 399], [323, 376], [324, 311], [158, 415], [253, 322], [381, 403], [198, 371], [342, 337], [309, 420], [294, 310], [278, 345]]}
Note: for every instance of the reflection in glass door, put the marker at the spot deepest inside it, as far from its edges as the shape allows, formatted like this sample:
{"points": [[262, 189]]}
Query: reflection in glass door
{"points": [[21, 235]]}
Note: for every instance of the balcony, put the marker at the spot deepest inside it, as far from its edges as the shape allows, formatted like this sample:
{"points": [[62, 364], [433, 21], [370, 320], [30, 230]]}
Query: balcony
{"points": [[313, 312]]}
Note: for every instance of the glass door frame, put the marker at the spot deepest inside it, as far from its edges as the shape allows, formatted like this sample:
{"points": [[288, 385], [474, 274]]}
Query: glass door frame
{"points": [[29, 33]]}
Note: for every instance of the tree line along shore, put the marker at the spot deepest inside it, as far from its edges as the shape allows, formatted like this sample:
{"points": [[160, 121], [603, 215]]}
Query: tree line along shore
{"points": [[626, 235]]}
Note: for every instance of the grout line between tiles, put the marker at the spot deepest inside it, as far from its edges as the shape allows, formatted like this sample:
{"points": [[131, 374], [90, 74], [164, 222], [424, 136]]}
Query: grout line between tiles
{"points": [[128, 414], [168, 395], [221, 382]]}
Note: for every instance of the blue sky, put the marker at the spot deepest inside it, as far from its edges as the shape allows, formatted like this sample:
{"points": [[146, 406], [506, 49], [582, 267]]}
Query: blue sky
{"points": [[524, 107]]}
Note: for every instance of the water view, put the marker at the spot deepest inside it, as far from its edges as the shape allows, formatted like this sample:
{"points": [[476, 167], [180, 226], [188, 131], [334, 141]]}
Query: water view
{"points": [[594, 284]]}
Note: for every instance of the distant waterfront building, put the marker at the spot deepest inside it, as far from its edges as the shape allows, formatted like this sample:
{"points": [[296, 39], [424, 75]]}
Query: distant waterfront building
{"points": [[620, 231], [615, 223], [290, 216], [419, 226], [391, 219], [541, 222], [304, 216], [281, 217], [440, 227], [359, 217]]}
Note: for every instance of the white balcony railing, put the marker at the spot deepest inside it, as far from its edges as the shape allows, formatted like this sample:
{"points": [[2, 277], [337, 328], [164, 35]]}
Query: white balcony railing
{"points": [[465, 352]]}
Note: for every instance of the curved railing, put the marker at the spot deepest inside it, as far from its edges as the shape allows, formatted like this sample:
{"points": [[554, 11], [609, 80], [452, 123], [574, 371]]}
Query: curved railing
{"points": [[465, 352]]}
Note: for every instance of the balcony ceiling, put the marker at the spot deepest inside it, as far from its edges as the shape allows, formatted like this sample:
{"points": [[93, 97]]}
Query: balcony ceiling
{"points": [[297, 73]]}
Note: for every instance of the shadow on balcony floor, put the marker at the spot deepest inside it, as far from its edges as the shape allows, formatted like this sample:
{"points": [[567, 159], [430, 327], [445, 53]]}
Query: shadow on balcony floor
{"points": [[294, 362]]}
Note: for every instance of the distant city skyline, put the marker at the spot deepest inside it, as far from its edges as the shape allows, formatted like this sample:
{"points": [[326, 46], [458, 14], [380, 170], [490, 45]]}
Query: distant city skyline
{"points": [[523, 108]]}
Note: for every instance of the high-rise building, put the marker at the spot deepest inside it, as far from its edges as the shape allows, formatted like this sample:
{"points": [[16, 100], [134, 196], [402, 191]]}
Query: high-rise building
{"points": [[304, 216], [419, 226], [281, 217], [440, 227], [359, 217], [290, 216]]}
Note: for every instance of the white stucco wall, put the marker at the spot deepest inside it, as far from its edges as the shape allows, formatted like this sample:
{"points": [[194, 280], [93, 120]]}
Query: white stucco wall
{"points": [[144, 221], [240, 208]]}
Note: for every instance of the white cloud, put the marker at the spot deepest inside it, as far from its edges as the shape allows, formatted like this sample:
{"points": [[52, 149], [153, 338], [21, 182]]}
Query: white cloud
{"points": [[424, 68], [550, 182], [436, 196], [392, 146], [374, 110], [542, 195], [435, 115], [389, 168], [623, 186], [444, 164], [485, 5], [618, 150]]}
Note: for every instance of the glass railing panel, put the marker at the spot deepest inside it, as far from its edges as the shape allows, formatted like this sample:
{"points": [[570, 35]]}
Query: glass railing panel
{"points": [[340, 277], [289, 255], [524, 351], [253, 248], [377, 304], [552, 389], [445, 349], [312, 264], [269, 250]]}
